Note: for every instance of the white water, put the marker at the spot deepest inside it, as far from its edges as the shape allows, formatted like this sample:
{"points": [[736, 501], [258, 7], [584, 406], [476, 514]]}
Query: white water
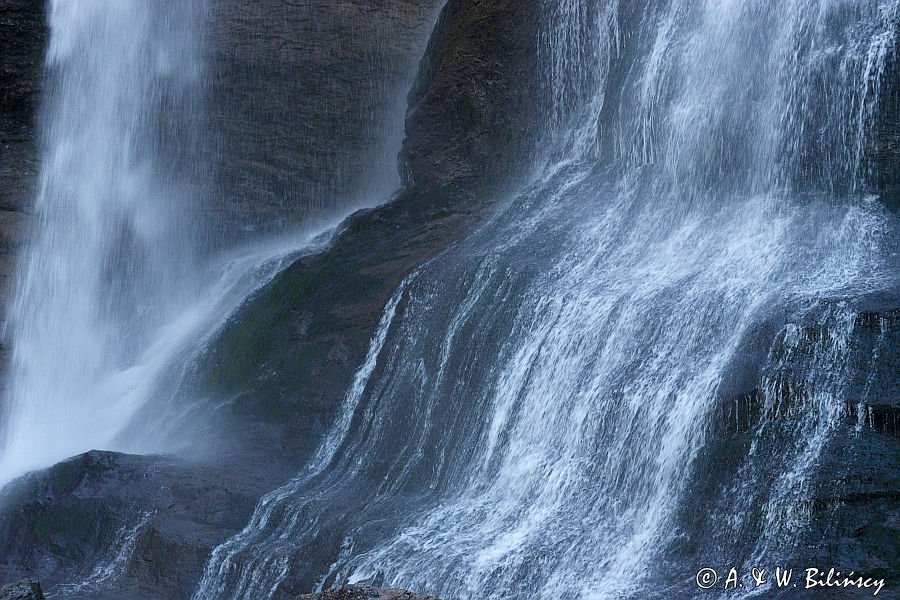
{"points": [[534, 428], [111, 298], [111, 264], [212, 585]]}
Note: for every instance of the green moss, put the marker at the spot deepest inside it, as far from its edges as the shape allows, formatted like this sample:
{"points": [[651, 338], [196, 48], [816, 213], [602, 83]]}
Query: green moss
{"points": [[67, 529], [65, 476], [258, 332]]}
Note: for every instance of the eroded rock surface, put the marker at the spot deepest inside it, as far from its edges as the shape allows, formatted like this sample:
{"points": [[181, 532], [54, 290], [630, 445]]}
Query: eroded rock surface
{"points": [[306, 101], [364, 592], [23, 590]]}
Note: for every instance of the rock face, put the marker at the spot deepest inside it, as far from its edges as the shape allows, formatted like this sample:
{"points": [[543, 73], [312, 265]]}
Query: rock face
{"points": [[306, 326], [474, 112], [23, 590], [885, 153], [100, 516], [306, 102], [23, 33], [850, 517]]}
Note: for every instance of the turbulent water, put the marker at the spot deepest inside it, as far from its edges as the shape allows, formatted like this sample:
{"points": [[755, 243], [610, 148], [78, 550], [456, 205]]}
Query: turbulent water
{"points": [[531, 416]]}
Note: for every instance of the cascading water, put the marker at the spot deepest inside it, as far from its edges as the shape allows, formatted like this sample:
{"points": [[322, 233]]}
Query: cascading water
{"points": [[530, 417], [111, 254]]}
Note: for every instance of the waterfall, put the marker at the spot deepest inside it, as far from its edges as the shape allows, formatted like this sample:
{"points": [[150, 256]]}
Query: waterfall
{"points": [[112, 250], [538, 415], [112, 297]]}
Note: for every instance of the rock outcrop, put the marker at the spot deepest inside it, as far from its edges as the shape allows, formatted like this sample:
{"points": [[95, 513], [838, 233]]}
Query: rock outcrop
{"points": [[306, 104], [474, 111], [885, 151], [100, 516], [23, 590]]}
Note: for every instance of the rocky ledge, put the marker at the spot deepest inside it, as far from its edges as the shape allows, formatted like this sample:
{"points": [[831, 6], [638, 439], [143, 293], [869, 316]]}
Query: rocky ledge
{"points": [[22, 590], [364, 592]]}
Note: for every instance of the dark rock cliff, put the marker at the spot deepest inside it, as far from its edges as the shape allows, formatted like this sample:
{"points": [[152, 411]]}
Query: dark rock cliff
{"points": [[306, 104], [23, 36], [474, 111], [885, 152]]}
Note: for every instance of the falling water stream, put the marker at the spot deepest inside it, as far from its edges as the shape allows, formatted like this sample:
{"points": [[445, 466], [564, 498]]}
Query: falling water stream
{"points": [[112, 261], [532, 412], [528, 421]]}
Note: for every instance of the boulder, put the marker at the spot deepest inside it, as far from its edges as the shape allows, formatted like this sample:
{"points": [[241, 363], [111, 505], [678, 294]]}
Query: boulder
{"points": [[22, 590]]}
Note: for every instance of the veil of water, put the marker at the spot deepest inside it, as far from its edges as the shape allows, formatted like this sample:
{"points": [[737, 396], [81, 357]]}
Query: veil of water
{"points": [[115, 291], [529, 418], [111, 258]]}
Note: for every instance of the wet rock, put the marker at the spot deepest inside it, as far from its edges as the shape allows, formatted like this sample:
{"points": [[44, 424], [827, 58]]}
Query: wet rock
{"points": [[306, 99], [885, 151], [23, 35], [474, 112], [105, 524], [23, 590], [280, 390], [849, 518], [364, 592]]}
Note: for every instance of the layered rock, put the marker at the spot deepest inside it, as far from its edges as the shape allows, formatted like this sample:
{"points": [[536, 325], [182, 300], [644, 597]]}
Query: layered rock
{"points": [[306, 104], [143, 523], [847, 513]]}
